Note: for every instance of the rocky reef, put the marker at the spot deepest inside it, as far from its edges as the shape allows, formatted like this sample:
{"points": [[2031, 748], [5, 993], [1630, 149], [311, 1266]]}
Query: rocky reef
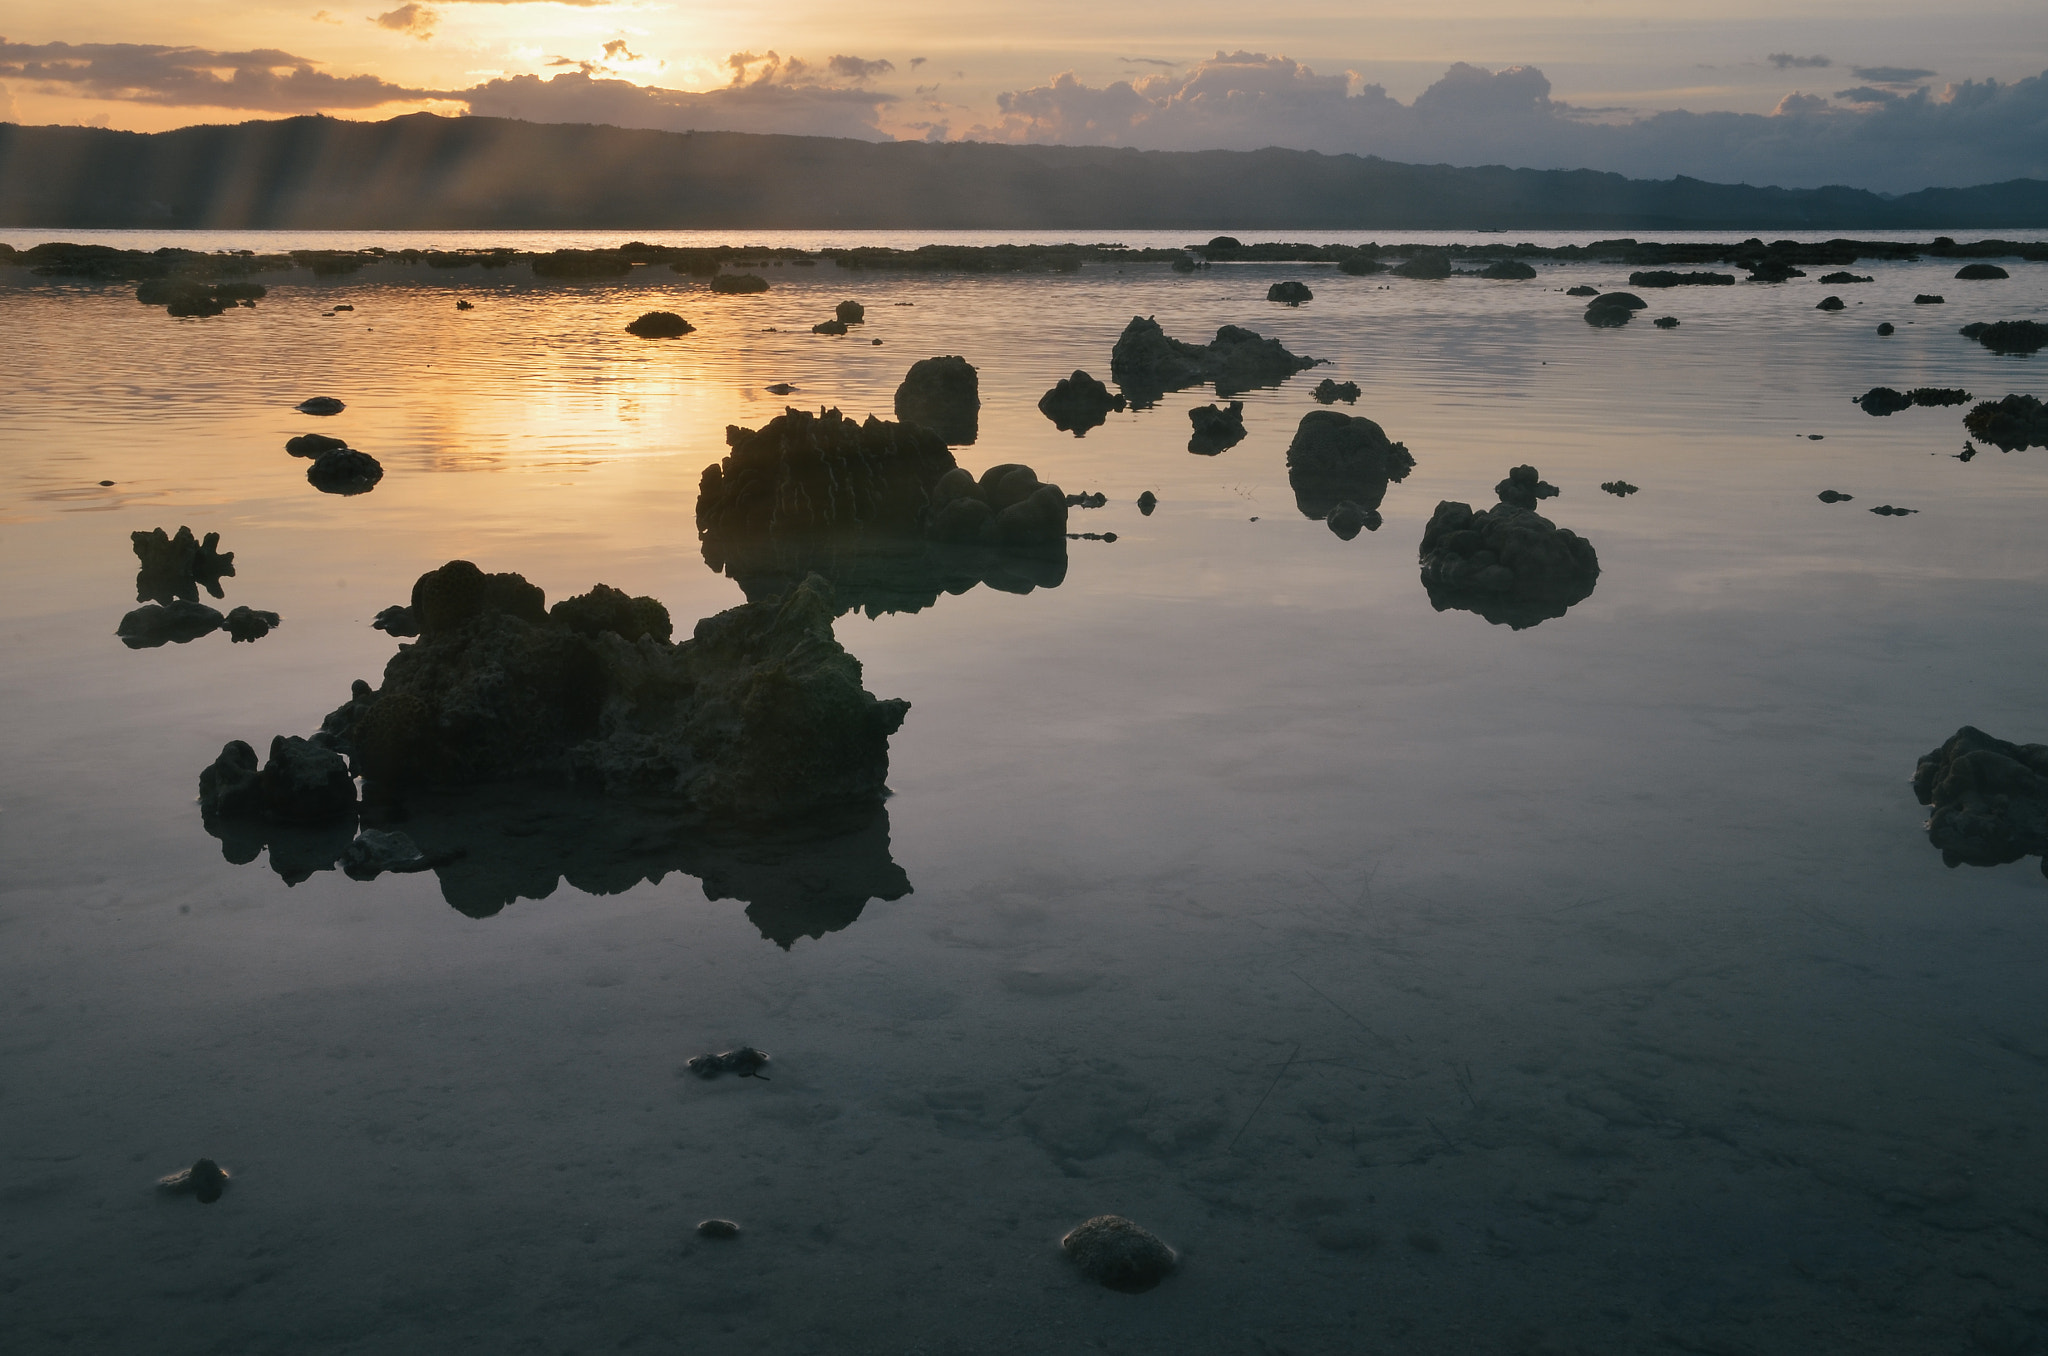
{"points": [[1990, 799], [2008, 336], [1078, 403], [1147, 362], [944, 395], [1509, 564], [810, 473], [1339, 466], [1883, 400], [1217, 428], [660, 325], [2010, 425], [175, 567]]}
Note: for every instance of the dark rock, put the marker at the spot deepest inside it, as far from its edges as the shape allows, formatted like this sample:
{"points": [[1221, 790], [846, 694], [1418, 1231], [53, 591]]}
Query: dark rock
{"points": [[1666, 322], [1883, 400], [2010, 425], [1611, 309], [397, 620], [660, 325], [606, 609], [176, 567], [1093, 501], [780, 388], [375, 851], [1935, 397], [1582, 291], [1329, 392], [745, 1061], [1078, 403], [759, 716], [301, 783], [1620, 489], [1522, 488], [1510, 565], [1835, 497], [1147, 363], [816, 473], [1769, 270], [1348, 519], [829, 327], [1664, 277], [850, 313], [247, 624], [341, 306], [1505, 270], [1112, 1251], [944, 395], [1927, 299], [1887, 511], [155, 624], [1829, 304], [2009, 336], [205, 1179], [1289, 293], [465, 306], [1358, 266], [717, 1228], [345, 471], [1429, 264], [320, 404], [1225, 242], [1981, 272], [314, 444], [1990, 799], [1217, 428], [739, 284], [1338, 458], [1839, 279], [1147, 502], [1969, 451], [1887, 329]]}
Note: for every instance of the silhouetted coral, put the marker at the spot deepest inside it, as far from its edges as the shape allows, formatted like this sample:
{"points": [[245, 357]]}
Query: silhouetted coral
{"points": [[1078, 403], [1147, 363], [1216, 428], [1337, 459], [944, 395], [177, 567]]}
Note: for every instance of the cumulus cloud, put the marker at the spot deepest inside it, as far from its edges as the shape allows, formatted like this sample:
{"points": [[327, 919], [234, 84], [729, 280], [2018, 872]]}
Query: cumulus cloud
{"points": [[263, 80], [1891, 75], [768, 100], [1973, 132], [1783, 59], [416, 20]]}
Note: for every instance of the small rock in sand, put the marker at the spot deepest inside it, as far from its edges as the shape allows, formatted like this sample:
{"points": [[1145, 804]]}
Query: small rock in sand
{"points": [[1114, 1252], [718, 1228]]}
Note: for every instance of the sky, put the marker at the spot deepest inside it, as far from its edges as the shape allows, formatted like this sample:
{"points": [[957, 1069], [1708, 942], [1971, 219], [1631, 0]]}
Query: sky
{"points": [[1880, 94]]}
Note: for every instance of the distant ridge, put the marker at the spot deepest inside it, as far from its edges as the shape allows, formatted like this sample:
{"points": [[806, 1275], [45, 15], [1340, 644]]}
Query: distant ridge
{"points": [[421, 171]]}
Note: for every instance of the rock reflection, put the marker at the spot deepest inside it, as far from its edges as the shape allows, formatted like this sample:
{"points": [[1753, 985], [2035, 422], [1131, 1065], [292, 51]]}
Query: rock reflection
{"points": [[1339, 466]]}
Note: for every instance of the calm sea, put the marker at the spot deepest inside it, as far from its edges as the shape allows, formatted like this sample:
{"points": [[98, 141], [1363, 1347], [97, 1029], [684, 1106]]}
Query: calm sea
{"points": [[1433, 986]]}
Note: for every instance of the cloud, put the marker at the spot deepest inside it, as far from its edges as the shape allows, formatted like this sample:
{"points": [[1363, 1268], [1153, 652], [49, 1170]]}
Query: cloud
{"points": [[915, 62], [768, 100], [1891, 75], [323, 17], [1973, 132], [416, 20], [1783, 59], [616, 50], [263, 80], [854, 68], [1150, 61]]}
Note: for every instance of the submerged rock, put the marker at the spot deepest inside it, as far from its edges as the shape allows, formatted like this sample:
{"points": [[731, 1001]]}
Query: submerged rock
{"points": [[1329, 392], [247, 624], [1112, 1251], [813, 473], [1981, 272], [1522, 488], [1582, 291], [1338, 458], [1147, 363], [660, 325], [175, 623], [205, 1179], [1078, 403], [1509, 564], [2010, 425], [829, 327], [1928, 299], [1990, 799], [759, 716], [320, 404], [345, 471], [1217, 428], [944, 395], [177, 567], [1289, 293]]}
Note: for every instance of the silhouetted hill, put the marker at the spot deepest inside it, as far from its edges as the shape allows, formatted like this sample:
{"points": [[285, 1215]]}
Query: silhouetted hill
{"points": [[422, 171]]}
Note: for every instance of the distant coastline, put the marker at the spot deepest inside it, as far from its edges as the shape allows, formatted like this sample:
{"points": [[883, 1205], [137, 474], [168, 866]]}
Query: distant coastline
{"points": [[422, 172]]}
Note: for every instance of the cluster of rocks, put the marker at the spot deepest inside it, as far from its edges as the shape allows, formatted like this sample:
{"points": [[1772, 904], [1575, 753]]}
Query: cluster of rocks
{"points": [[944, 395], [660, 325], [1217, 428], [157, 624], [845, 315], [191, 297], [174, 568], [336, 467], [2011, 425], [1883, 400], [1339, 466], [2008, 336], [1078, 403], [1147, 362], [1989, 798], [1609, 310], [1329, 392], [1509, 564]]}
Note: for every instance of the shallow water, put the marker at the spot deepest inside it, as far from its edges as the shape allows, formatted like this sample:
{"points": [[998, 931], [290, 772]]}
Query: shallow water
{"points": [[1433, 986]]}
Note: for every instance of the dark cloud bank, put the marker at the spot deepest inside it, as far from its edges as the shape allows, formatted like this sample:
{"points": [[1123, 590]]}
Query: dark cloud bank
{"points": [[1892, 132]]}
